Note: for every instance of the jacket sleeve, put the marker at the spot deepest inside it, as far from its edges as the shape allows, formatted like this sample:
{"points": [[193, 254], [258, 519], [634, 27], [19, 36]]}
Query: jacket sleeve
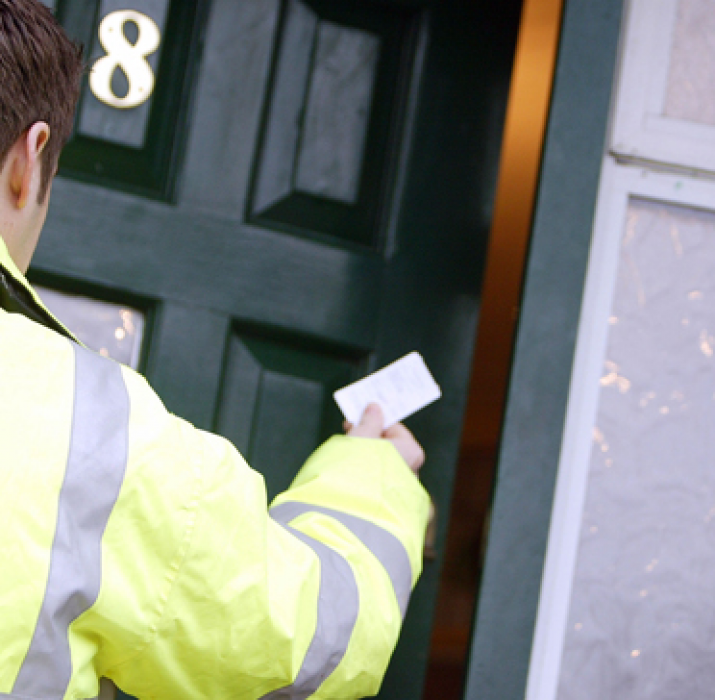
{"points": [[209, 594]]}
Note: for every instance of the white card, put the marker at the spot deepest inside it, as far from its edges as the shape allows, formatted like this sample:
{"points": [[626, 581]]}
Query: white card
{"points": [[401, 388]]}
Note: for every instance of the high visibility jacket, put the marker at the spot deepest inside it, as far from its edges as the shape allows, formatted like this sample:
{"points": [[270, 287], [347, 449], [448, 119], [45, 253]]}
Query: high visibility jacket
{"points": [[138, 548]]}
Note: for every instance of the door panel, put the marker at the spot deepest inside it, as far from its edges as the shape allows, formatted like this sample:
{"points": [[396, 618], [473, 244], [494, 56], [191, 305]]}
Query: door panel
{"points": [[276, 402], [309, 200], [328, 125], [185, 359], [235, 65]]}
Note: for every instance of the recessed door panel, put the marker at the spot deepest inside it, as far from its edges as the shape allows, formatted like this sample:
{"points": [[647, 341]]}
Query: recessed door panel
{"points": [[276, 402], [235, 67], [337, 111], [329, 135]]}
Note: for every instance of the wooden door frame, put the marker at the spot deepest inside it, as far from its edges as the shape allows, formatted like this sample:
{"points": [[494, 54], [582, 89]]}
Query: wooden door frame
{"points": [[540, 379]]}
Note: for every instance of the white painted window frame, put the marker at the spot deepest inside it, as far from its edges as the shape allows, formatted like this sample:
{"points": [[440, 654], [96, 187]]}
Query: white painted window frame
{"points": [[640, 131], [619, 184]]}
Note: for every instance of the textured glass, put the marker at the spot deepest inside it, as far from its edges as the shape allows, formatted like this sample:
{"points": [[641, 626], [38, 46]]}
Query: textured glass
{"points": [[690, 93], [113, 330], [642, 613], [337, 112]]}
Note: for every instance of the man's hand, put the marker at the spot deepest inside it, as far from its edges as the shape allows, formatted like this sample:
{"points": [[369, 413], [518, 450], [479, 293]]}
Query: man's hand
{"points": [[370, 426]]}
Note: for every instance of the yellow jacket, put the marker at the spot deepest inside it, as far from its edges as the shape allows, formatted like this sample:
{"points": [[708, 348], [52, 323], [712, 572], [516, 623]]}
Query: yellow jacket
{"points": [[136, 547]]}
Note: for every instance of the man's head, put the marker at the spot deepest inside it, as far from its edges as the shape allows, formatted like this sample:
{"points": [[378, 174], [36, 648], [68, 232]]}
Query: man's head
{"points": [[40, 72]]}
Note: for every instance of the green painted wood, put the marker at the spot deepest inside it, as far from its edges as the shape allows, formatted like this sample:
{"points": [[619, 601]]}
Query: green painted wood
{"points": [[126, 127], [150, 169], [529, 454], [276, 400], [185, 359], [253, 274], [229, 105], [255, 320], [337, 112], [283, 194], [433, 279]]}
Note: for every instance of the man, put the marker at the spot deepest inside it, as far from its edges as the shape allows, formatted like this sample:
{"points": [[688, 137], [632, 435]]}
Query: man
{"points": [[132, 545]]}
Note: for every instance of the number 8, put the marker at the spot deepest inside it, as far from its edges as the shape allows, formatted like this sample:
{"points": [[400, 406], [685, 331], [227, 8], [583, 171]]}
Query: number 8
{"points": [[131, 58]]}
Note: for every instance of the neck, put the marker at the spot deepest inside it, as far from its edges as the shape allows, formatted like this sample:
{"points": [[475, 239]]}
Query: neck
{"points": [[18, 246]]}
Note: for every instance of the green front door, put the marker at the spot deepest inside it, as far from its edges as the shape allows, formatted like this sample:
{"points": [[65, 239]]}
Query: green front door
{"points": [[290, 193]]}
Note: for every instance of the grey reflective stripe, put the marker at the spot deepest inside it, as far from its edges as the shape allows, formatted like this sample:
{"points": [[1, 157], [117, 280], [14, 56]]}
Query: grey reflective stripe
{"points": [[388, 550], [94, 473], [338, 606]]}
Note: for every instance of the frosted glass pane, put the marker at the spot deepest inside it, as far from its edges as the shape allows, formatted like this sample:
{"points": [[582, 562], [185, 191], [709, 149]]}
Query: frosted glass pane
{"points": [[642, 613], [113, 330], [691, 77]]}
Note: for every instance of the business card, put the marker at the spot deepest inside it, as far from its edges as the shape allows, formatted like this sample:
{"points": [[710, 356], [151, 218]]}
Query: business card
{"points": [[401, 388]]}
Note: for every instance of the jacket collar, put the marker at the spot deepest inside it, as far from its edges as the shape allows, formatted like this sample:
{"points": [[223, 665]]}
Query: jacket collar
{"points": [[17, 296]]}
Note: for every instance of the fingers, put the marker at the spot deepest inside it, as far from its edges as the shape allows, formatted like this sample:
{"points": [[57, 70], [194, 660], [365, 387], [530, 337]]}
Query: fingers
{"points": [[370, 425], [398, 431], [405, 443]]}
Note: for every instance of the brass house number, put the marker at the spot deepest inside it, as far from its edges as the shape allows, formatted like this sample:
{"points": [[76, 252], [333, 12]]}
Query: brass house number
{"points": [[129, 58]]}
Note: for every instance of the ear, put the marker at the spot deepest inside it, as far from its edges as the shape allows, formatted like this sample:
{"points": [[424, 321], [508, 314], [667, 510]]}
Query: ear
{"points": [[26, 172]]}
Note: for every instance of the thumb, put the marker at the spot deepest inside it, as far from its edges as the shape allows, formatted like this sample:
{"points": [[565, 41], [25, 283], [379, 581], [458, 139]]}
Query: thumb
{"points": [[371, 423]]}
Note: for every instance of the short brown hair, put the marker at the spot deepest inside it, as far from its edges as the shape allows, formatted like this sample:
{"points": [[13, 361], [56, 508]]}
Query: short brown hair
{"points": [[40, 74]]}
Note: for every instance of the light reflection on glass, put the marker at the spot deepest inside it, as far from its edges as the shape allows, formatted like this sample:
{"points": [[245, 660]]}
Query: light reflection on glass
{"points": [[113, 330], [613, 378]]}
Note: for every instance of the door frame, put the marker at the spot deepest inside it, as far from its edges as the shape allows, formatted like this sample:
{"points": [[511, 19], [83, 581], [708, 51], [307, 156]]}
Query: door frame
{"points": [[505, 618]]}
